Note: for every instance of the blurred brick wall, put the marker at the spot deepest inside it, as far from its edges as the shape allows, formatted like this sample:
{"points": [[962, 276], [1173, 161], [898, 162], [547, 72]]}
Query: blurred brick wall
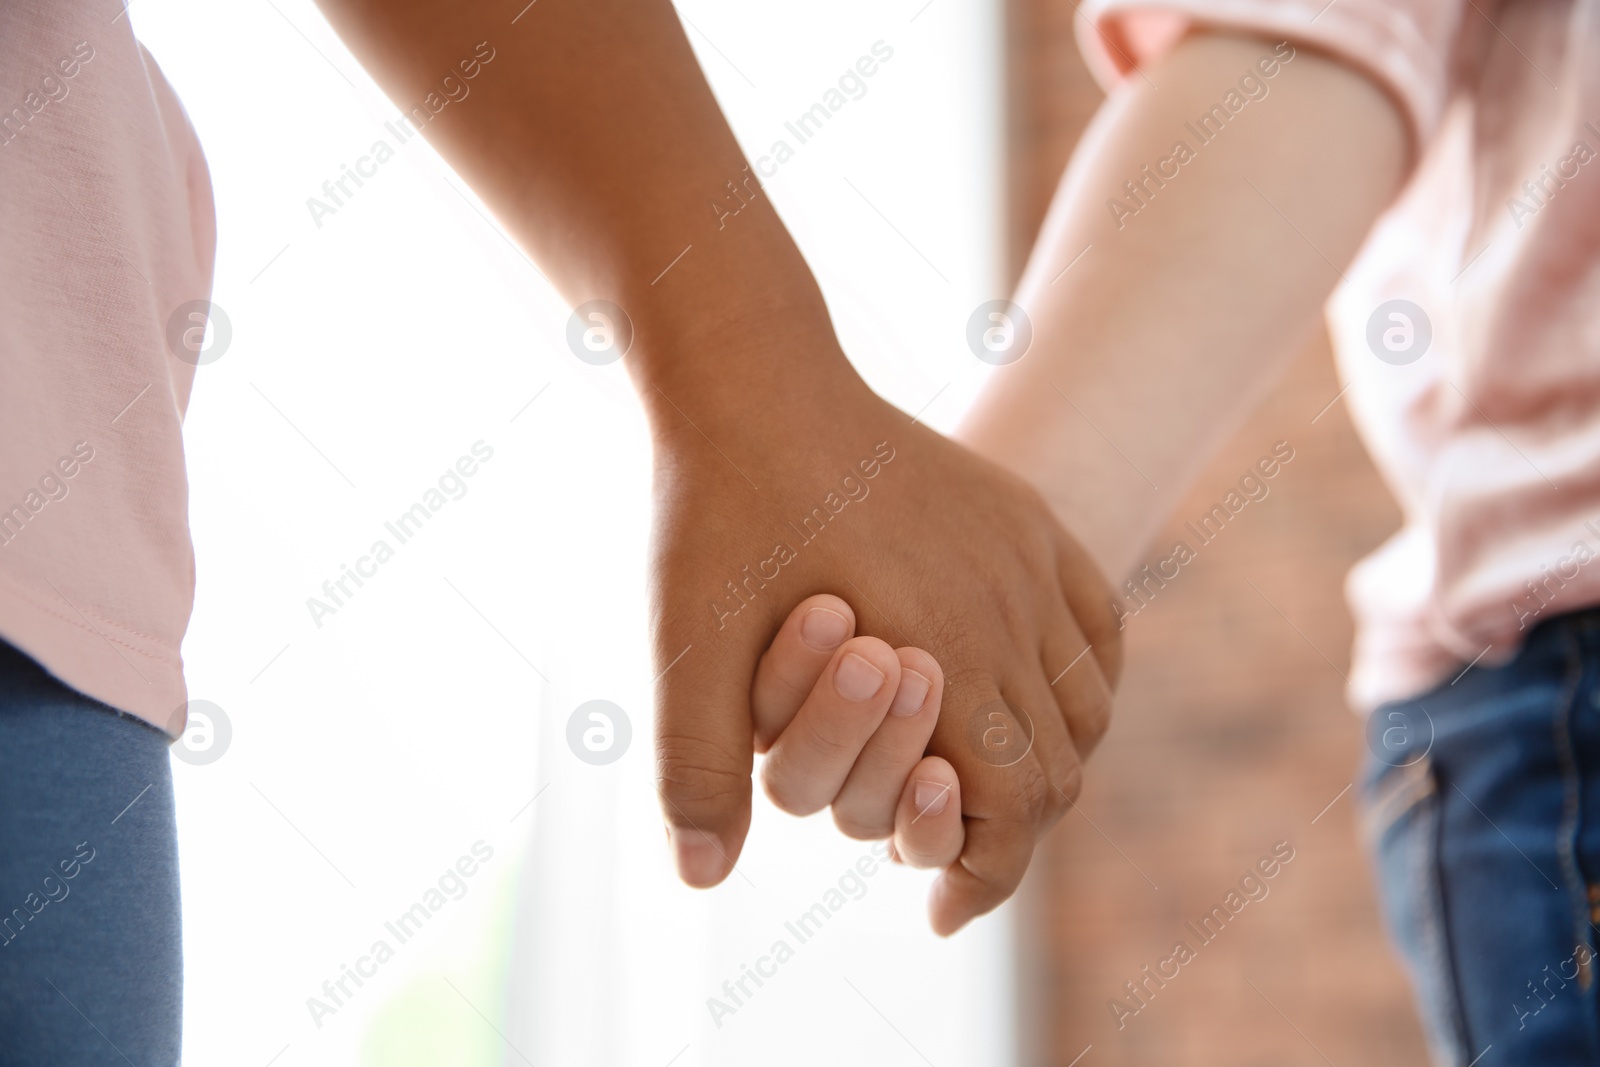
{"points": [[1231, 734]]}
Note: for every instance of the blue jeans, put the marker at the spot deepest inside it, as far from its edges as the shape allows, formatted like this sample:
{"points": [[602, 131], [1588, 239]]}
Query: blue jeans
{"points": [[90, 954], [1483, 810]]}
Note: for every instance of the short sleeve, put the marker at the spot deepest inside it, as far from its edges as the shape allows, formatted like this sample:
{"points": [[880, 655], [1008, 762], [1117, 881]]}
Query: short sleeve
{"points": [[1404, 45]]}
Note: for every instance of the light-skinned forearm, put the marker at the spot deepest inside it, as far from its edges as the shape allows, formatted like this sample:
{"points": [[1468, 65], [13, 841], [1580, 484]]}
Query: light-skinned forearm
{"points": [[1178, 318], [595, 140]]}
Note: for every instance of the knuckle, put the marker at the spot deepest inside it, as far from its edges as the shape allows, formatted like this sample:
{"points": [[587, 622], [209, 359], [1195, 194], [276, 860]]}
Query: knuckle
{"points": [[1068, 787], [860, 826], [1009, 596], [782, 682], [920, 660], [882, 760], [1062, 767], [787, 790], [872, 648], [1109, 649], [950, 636], [1102, 627], [695, 772], [991, 884], [1092, 717], [832, 737], [963, 675], [1029, 792], [782, 798]]}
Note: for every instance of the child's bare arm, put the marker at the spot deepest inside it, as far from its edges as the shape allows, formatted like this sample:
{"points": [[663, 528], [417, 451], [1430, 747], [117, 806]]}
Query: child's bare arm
{"points": [[1193, 294]]}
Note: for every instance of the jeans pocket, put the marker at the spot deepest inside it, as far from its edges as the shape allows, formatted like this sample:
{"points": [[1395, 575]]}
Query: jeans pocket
{"points": [[1401, 826]]}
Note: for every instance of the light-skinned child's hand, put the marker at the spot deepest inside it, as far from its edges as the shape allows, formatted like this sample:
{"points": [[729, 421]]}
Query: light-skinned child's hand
{"points": [[845, 721]]}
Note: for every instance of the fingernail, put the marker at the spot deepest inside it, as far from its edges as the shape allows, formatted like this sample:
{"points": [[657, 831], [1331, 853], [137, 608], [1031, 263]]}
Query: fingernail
{"points": [[856, 679], [824, 630], [930, 797], [700, 857], [911, 695]]}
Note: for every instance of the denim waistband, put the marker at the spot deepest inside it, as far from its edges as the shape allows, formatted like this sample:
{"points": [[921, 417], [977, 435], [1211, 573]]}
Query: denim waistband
{"points": [[1575, 631], [1556, 647]]}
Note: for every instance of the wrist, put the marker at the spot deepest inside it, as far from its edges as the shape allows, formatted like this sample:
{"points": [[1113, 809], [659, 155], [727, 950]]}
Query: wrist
{"points": [[733, 369], [735, 321], [745, 366]]}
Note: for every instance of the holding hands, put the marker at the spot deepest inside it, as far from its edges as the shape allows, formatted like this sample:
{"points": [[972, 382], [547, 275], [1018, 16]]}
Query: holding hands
{"points": [[944, 694], [844, 721]]}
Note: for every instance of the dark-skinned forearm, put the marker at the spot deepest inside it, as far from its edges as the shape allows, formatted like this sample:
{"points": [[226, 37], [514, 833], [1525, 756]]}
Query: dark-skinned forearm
{"points": [[596, 141]]}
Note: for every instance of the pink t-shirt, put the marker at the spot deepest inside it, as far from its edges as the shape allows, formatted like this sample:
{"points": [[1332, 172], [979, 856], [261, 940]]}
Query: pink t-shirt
{"points": [[1483, 411], [1490, 439], [107, 240]]}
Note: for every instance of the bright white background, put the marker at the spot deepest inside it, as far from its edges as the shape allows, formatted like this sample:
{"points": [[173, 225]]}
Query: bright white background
{"points": [[368, 754]]}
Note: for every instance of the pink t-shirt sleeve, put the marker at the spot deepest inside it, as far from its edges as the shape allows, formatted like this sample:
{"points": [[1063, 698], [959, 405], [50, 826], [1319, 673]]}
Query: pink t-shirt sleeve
{"points": [[1404, 45]]}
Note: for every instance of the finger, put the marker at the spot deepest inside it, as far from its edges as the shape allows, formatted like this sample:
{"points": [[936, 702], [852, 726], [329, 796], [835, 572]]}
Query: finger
{"points": [[865, 806], [790, 667], [1077, 682], [1089, 598], [812, 757], [994, 857], [1016, 791], [1053, 750], [1006, 796], [702, 729], [927, 826]]}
